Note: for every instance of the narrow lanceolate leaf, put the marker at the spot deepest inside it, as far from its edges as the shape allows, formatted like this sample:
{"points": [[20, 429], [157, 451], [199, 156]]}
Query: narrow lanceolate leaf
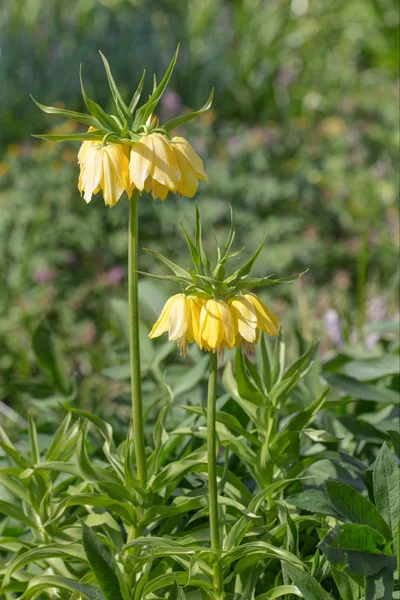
{"points": [[199, 243], [364, 391], [386, 480], [49, 357], [308, 586], [145, 111], [137, 94], [98, 113], [69, 114], [45, 582], [103, 565], [193, 250], [70, 137], [171, 265], [33, 440], [177, 121], [354, 507], [57, 442], [254, 282], [247, 267], [122, 108]]}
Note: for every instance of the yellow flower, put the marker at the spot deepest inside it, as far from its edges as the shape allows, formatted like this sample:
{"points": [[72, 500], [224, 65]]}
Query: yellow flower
{"points": [[190, 166], [250, 316], [104, 168], [180, 317], [216, 326], [153, 166]]}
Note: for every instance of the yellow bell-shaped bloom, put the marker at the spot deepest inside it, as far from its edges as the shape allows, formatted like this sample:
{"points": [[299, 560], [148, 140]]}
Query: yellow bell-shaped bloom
{"points": [[180, 317], [190, 166], [106, 168], [153, 166], [216, 326], [250, 316]]}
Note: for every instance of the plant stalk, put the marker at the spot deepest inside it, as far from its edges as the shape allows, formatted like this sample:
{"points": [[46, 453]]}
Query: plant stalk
{"points": [[212, 472], [136, 391]]}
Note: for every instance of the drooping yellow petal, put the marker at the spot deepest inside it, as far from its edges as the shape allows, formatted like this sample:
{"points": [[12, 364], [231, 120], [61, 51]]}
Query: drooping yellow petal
{"points": [[244, 318], [187, 186], [141, 161], [178, 318], [91, 172], [216, 325], [111, 182], [181, 145], [194, 305], [266, 320], [106, 168], [162, 323], [165, 168]]}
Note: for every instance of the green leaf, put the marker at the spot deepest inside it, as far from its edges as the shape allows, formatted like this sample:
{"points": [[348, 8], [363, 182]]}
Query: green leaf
{"points": [[38, 554], [177, 121], [122, 108], [348, 588], [351, 536], [308, 586], [364, 391], [146, 110], [46, 582], [380, 586], [15, 512], [247, 267], [193, 250], [395, 437], [69, 114], [386, 482], [70, 137], [356, 562], [137, 94], [33, 440], [199, 243], [255, 282], [122, 509], [312, 500], [105, 120], [103, 565], [191, 378], [372, 368], [171, 265], [57, 442], [49, 357], [231, 236], [354, 507], [246, 387], [279, 591]]}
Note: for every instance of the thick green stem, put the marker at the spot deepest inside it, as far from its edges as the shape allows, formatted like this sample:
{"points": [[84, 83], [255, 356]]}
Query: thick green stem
{"points": [[137, 409], [212, 472]]}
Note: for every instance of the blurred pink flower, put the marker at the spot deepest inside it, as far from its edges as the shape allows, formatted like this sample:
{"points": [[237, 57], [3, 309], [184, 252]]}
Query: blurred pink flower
{"points": [[44, 275], [171, 104], [115, 275]]}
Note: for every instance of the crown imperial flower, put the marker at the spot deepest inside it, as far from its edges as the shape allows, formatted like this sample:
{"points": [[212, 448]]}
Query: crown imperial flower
{"points": [[215, 311], [130, 150]]}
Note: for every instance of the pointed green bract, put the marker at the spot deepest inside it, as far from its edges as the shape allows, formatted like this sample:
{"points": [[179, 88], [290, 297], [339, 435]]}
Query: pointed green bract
{"points": [[130, 123], [215, 283], [123, 110], [137, 94], [177, 121]]}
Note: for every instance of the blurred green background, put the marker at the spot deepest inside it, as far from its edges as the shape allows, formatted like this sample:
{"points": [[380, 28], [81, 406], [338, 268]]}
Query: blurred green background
{"points": [[302, 138]]}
